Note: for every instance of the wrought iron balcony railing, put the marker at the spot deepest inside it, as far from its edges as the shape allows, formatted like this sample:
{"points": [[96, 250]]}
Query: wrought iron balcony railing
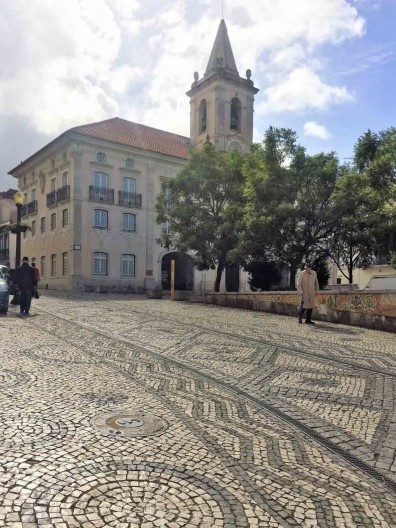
{"points": [[51, 198], [101, 194], [128, 198], [29, 208], [63, 193]]}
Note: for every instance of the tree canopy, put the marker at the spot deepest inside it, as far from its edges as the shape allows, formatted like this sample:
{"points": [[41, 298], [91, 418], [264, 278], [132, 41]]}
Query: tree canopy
{"points": [[279, 204], [203, 205]]}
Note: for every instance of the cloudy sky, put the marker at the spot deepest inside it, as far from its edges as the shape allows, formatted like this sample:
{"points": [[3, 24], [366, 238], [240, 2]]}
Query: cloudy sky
{"points": [[326, 68]]}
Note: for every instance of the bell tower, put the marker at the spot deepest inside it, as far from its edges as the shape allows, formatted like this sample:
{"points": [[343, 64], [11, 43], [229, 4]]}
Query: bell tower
{"points": [[221, 103]]}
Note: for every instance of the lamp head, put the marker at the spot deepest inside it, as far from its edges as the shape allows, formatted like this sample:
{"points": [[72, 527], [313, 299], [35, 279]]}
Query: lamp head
{"points": [[19, 198]]}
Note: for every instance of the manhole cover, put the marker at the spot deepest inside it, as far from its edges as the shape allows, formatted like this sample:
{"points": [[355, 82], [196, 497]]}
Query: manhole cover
{"points": [[130, 425]]}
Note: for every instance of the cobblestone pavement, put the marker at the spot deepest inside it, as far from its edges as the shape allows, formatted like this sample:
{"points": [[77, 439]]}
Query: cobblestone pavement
{"points": [[127, 413]]}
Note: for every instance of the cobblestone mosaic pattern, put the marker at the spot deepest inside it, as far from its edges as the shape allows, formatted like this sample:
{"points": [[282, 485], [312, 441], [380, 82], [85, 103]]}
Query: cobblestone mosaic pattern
{"points": [[223, 460]]}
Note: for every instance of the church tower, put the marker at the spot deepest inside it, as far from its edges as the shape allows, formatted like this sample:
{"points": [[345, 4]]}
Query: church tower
{"points": [[222, 101]]}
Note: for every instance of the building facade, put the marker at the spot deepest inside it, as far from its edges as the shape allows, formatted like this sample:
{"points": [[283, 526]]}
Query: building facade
{"points": [[90, 193]]}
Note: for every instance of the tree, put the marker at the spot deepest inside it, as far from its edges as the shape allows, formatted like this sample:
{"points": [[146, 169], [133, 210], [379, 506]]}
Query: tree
{"points": [[263, 274], [289, 206], [203, 205], [320, 265], [357, 205], [375, 156]]}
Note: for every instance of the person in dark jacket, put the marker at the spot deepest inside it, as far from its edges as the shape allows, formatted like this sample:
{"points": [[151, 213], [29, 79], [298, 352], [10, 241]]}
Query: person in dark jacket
{"points": [[25, 278]]}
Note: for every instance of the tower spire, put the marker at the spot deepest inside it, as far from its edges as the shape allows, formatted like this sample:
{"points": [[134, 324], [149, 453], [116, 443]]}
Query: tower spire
{"points": [[221, 101], [221, 56]]}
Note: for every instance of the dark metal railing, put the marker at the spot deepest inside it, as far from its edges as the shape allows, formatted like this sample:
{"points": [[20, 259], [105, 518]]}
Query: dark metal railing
{"points": [[63, 193], [29, 208], [51, 198], [32, 207], [128, 198], [101, 194]]}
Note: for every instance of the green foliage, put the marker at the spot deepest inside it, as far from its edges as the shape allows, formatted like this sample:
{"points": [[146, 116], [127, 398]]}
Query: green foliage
{"points": [[320, 265], [279, 204], [203, 207], [263, 275], [289, 208]]}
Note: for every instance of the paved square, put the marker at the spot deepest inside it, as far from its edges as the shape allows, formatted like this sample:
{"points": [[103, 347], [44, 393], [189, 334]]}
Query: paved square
{"points": [[125, 412]]}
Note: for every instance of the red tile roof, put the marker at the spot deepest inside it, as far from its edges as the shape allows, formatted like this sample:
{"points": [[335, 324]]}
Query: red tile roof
{"points": [[136, 135]]}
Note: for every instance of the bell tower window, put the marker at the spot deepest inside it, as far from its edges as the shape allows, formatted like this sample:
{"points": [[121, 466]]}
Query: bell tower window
{"points": [[202, 116], [235, 114]]}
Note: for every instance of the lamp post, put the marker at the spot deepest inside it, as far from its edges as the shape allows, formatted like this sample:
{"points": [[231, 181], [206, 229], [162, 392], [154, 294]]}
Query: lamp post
{"points": [[17, 229]]}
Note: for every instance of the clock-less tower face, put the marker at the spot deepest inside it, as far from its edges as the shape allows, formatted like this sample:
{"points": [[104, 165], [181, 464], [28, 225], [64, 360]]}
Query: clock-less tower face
{"points": [[222, 101]]}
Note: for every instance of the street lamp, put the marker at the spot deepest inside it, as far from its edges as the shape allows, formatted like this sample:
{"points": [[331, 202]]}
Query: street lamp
{"points": [[17, 229]]}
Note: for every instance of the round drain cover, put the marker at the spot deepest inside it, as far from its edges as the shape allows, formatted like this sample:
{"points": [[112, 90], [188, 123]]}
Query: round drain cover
{"points": [[130, 425]]}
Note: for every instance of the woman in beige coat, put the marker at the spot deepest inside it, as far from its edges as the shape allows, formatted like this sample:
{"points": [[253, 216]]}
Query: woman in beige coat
{"points": [[307, 286]]}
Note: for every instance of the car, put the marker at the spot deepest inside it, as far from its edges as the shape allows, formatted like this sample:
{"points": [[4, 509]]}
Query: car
{"points": [[4, 295]]}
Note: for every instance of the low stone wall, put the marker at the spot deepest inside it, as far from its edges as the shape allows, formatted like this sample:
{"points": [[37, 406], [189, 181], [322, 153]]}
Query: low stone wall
{"points": [[374, 309]]}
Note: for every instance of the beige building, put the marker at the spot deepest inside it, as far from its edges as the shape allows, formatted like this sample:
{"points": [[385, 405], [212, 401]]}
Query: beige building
{"points": [[8, 214], [90, 193]]}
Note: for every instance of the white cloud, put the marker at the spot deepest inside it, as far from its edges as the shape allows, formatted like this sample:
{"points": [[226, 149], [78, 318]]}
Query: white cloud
{"points": [[301, 90], [315, 130], [79, 61]]}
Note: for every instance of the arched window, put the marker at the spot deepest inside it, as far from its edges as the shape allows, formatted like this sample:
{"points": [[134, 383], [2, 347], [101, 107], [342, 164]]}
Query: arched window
{"points": [[202, 116], [235, 114]]}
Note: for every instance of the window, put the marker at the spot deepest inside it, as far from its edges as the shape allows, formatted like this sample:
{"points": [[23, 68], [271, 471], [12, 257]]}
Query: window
{"points": [[167, 195], [42, 225], [165, 227], [128, 222], [100, 219], [64, 179], [53, 221], [202, 116], [235, 114], [338, 280], [53, 184], [65, 263], [101, 157], [53, 265], [101, 180], [42, 266], [33, 195], [128, 265], [33, 227], [65, 217], [129, 185], [100, 263]]}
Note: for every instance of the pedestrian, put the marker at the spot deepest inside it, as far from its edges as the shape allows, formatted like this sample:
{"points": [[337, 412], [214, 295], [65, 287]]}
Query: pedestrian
{"points": [[25, 278], [37, 272], [307, 286]]}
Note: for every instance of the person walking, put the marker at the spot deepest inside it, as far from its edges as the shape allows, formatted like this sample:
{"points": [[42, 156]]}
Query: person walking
{"points": [[25, 278], [307, 286], [36, 272]]}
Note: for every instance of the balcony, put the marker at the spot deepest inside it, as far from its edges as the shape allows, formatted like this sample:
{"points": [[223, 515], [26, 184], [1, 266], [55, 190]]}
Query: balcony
{"points": [[101, 194], [51, 198], [63, 193], [128, 198], [29, 208]]}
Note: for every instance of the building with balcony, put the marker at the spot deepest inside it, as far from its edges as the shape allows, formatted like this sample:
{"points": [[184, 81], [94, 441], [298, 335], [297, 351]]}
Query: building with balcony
{"points": [[90, 193], [7, 218]]}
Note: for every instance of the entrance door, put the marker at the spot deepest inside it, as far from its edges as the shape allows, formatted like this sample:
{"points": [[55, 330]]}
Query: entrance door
{"points": [[184, 271]]}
